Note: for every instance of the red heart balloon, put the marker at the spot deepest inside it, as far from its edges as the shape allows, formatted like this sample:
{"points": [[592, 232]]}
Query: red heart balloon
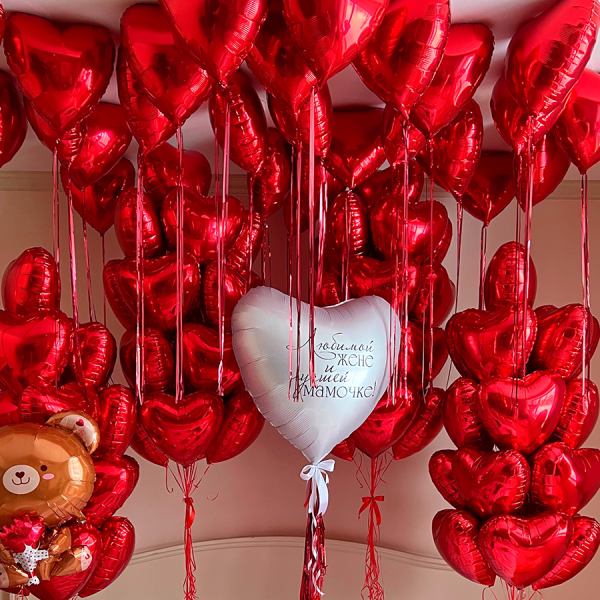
{"points": [[560, 339], [146, 448], [276, 62], [331, 33], [579, 120], [98, 202], [330, 292], [550, 165], [490, 343], [440, 471], [400, 61], [116, 420], [535, 78], [116, 478], [345, 449], [148, 125], [456, 536], [388, 421], [582, 548], [248, 124], [13, 122], [62, 70], [460, 416], [114, 296], [118, 544], [388, 209], [418, 354], [492, 483], [200, 223], [174, 83], [564, 480], [522, 413], [523, 550], [31, 283], [242, 424], [467, 56], [270, 185], [425, 426], [394, 143], [455, 151], [441, 250], [161, 172], [435, 277], [247, 245], [505, 278], [217, 36], [159, 360], [491, 189], [34, 348], [371, 277], [38, 402], [68, 586], [153, 240], [356, 150], [106, 140], [201, 360], [9, 408], [182, 431], [160, 288], [579, 414]]}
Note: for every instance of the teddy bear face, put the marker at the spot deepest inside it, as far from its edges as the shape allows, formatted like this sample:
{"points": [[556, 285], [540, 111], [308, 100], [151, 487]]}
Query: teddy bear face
{"points": [[43, 469]]}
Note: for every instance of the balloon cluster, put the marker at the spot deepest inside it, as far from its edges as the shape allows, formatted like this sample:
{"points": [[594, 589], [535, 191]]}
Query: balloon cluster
{"points": [[49, 367], [517, 508]]}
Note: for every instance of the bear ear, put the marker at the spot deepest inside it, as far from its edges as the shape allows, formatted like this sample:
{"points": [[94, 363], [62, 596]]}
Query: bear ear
{"points": [[82, 425]]}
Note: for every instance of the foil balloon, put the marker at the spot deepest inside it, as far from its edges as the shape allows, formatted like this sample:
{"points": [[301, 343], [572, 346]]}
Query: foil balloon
{"points": [[200, 233], [467, 56], [490, 343], [62, 70], [560, 339], [149, 126], [161, 172], [153, 240], [160, 288], [402, 57], [248, 133], [104, 143], [276, 62], [456, 536], [31, 283], [116, 478], [564, 480], [97, 354], [116, 420], [330, 33], [159, 360], [579, 122], [217, 36], [440, 471], [522, 550], [492, 483], [38, 402], [120, 308], [356, 151], [582, 548], [521, 414], [13, 122], [169, 77], [397, 131], [441, 250], [345, 449], [98, 202], [242, 425], [247, 245], [460, 417], [491, 189], [9, 408], [35, 348], [182, 431], [418, 346], [505, 279], [146, 448], [344, 396], [118, 544], [57, 446], [542, 65], [433, 277], [330, 292]]}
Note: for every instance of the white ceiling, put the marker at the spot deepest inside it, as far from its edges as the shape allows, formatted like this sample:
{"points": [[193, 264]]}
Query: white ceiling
{"points": [[502, 16]]}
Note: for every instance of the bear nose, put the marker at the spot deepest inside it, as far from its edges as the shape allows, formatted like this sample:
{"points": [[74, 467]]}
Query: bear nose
{"points": [[20, 474]]}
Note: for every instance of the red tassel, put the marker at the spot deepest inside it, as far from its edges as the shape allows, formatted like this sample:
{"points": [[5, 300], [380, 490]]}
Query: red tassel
{"points": [[315, 559]]}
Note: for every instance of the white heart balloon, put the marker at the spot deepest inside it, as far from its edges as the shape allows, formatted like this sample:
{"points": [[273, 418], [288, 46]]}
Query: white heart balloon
{"points": [[351, 365]]}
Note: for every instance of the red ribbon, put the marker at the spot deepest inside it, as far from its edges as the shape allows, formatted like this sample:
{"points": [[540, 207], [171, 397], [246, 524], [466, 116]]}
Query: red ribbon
{"points": [[371, 501]]}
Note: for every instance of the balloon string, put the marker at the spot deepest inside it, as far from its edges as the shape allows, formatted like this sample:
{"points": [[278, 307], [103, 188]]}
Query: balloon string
{"points": [[482, 264], [393, 346], [298, 269], [346, 253], [431, 250], [585, 275], [90, 295], [528, 216], [315, 560], [139, 265], [322, 228], [249, 241], [311, 242], [179, 391], [459, 232], [290, 274], [103, 246], [404, 369], [56, 209]]}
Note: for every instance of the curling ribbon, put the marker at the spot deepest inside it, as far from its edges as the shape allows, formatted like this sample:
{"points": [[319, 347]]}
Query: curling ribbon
{"points": [[317, 479], [372, 502]]}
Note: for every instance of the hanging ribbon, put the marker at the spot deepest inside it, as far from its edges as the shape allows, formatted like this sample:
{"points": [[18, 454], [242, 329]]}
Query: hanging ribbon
{"points": [[585, 281], [311, 243], [482, 264], [139, 266], [371, 502], [317, 479]]}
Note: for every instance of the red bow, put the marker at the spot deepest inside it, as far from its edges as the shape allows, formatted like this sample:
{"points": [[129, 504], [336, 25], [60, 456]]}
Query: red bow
{"points": [[371, 501]]}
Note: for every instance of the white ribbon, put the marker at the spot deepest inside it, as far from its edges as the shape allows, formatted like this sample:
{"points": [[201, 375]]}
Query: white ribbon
{"points": [[317, 479]]}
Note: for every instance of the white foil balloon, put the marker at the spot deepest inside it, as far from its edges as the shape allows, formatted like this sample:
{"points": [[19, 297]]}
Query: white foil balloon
{"points": [[351, 365]]}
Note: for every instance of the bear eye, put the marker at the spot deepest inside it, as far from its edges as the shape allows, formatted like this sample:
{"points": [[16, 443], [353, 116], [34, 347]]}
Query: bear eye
{"points": [[43, 468]]}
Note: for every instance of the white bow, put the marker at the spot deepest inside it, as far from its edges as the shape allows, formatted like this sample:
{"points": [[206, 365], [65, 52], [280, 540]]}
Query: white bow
{"points": [[317, 479]]}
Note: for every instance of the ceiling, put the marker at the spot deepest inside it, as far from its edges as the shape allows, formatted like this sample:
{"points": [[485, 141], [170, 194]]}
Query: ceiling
{"points": [[502, 16]]}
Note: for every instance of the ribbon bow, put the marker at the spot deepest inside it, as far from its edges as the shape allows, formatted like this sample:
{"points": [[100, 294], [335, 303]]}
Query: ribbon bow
{"points": [[371, 501], [317, 479]]}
